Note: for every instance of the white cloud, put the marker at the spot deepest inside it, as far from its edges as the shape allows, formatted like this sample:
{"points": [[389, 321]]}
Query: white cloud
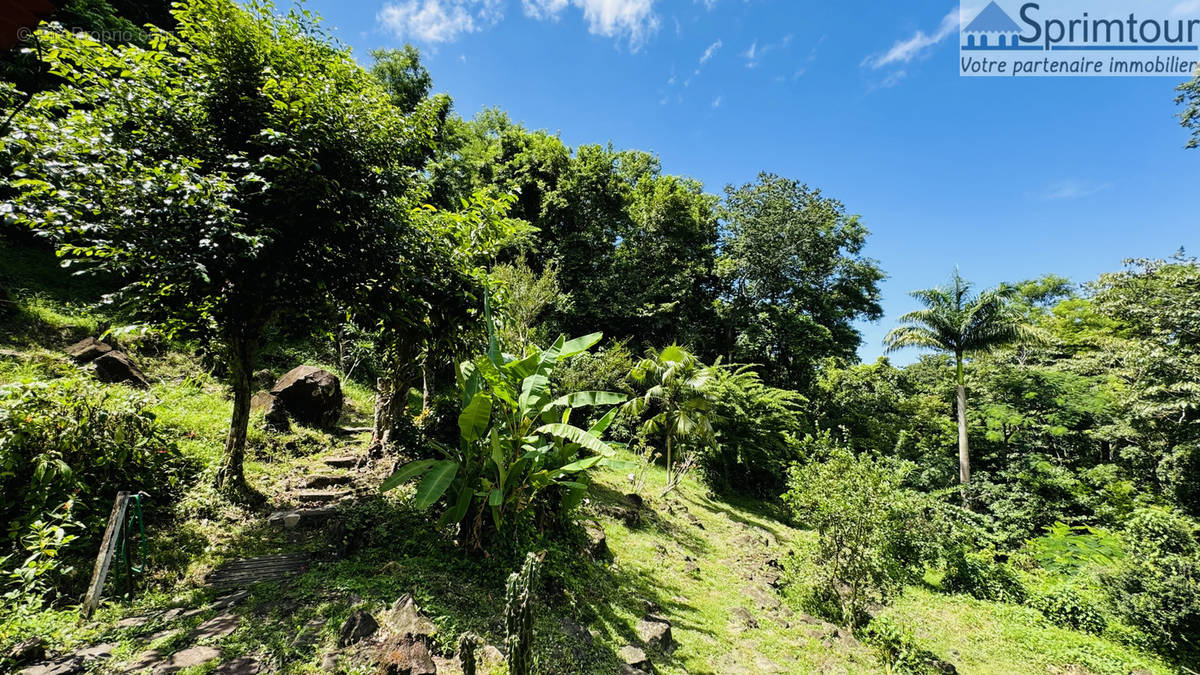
{"points": [[543, 9], [751, 55], [1186, 8], [708, 53], [439, 20], [631, 19], [910, 48], [1072, 189], [716, 102]]}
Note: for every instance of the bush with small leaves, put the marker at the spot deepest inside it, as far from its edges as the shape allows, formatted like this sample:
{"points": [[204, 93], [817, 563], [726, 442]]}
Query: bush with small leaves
{"points": [[1067, 607], [874, 536], [898, 648], [1157, 587], [980, 574]]}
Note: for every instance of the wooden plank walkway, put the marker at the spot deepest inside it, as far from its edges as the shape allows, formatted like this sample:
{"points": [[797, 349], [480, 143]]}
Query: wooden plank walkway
{"points": [[253, 570]]}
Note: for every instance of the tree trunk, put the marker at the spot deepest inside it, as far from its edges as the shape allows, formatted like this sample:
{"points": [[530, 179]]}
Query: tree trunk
{"points": [[391, 399], [964, 452], [243, 348]]}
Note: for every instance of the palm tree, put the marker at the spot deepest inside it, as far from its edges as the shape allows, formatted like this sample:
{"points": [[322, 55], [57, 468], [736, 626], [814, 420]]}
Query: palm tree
{"points": [[956, 322], [674, 383]]}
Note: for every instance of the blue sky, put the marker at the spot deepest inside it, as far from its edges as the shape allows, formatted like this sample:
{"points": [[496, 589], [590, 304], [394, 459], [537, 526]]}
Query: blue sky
{"points": [[1006, 178]]}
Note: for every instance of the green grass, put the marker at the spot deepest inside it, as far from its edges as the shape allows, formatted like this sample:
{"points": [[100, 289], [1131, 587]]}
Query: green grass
{"points": [[997, 638]]}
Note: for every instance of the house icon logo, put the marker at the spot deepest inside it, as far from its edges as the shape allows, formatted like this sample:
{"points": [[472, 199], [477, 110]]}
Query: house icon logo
{"points": [[991, 29]]}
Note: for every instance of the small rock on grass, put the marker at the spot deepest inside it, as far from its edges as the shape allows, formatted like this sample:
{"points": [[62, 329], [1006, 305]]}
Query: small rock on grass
{"points": [[357, 627], [243, 666], [741, 617], [634, 657], [188, 658], [217, 627], [27, 651], [655, 631]]}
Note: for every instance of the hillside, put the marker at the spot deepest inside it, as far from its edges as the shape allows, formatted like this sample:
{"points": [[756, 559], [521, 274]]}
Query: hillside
{"points": [[713, 569]]}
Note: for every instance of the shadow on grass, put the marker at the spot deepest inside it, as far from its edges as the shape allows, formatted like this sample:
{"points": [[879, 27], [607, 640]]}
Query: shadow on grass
{"points": [[389, 549]]}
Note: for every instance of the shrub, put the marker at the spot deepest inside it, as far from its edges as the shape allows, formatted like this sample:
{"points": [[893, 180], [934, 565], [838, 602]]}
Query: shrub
{"points": [[66, 449], [1067, 607], [1065, 549], [1157, 587], [756, 428], [980, 574], [518, 454], [898, 649], [873, 535], [76, 441]]}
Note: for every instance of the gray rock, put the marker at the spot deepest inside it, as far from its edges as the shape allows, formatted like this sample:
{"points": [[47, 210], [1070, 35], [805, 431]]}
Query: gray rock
{"points": [[68, 666], [576, 631], [242, 666], [634, 657], [761, 598], [188, 658], [143, 661], [87, 350], [96, 653], [274, 413], [311, 395], [406, 620], [341, 462], [597, 541], [406, 656], [323, 480], [217, 627], [742, 618], [627, 669], [655, 632], [229, 600], [133, 622], [116, 367], [321, 495], [27, 651], [357, 627]]}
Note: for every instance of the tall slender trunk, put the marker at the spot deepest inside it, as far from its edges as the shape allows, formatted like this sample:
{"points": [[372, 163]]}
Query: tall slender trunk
{"points": [[243, 349], [964, 452], [391, 398]]}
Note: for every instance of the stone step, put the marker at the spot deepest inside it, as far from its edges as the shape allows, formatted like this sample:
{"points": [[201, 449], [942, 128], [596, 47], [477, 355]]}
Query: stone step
{"points": [[302, 517], [352, 431], [347, 462], [324, 480], [322, 495]]}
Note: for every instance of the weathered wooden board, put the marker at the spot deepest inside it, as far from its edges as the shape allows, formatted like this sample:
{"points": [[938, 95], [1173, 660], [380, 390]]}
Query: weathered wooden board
{"points": [[108, 546], [253, 570]]}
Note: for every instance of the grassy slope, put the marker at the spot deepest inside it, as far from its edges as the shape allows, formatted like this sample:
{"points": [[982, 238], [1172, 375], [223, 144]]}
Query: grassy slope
{"points": [[393, 552]]}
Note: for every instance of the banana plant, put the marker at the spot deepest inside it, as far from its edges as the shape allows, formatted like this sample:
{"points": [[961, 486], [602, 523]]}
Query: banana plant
{"points": [[516, 440]]}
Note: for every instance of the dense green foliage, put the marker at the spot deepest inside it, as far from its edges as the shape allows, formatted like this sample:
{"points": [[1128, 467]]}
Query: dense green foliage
{"points": [[65, 449], [873, 535], [517, 451], [240, 186]]}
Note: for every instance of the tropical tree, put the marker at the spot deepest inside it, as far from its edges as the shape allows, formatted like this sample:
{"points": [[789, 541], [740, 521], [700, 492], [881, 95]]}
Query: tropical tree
{"points": [[958, 322], [517, 444], [795, 279], [237, 170], [675, 390]]}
